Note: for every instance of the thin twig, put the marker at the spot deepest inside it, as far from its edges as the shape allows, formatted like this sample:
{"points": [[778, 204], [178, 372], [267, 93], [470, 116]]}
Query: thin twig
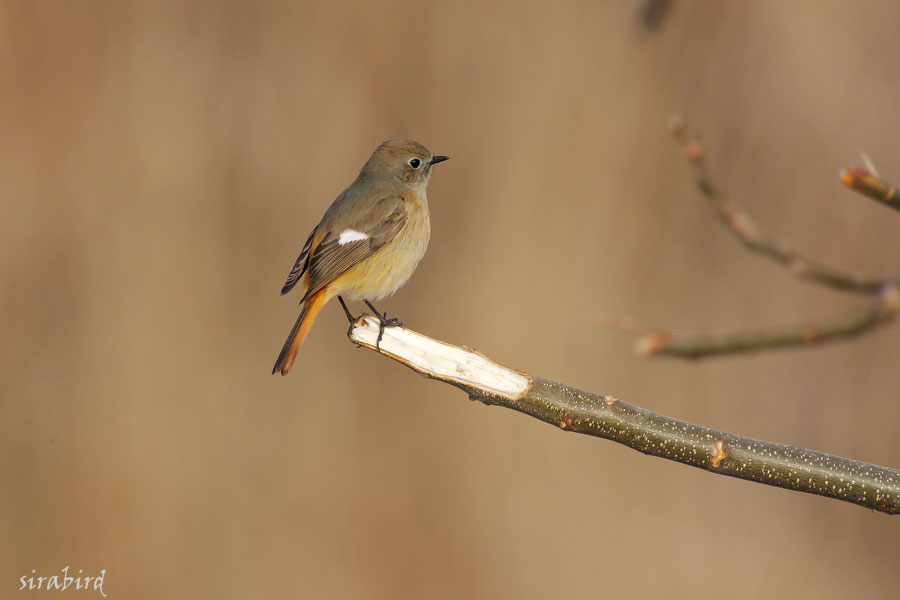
{"points": [[883, 310], [752, 237], [605, 416], [870, 184], [652, 12]]}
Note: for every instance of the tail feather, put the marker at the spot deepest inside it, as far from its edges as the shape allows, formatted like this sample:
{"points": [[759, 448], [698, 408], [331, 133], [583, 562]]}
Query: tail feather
{"points": [[298, 333]]}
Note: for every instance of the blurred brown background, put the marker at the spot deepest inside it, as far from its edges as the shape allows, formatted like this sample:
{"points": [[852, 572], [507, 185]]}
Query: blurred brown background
{"points": [[162, 163]]}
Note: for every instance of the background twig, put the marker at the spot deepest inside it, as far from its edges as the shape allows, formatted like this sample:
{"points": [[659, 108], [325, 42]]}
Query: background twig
{"points": [[871, 185], [746, 230], [886, 292], [883, 310], [605, 416], [652, 12]]}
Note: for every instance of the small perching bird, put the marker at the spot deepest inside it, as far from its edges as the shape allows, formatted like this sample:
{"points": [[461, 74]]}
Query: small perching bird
{"points": [[369, 242]]}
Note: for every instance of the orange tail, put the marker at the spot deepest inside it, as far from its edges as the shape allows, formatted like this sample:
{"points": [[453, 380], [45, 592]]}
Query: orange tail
{"points": [[295, 339]]}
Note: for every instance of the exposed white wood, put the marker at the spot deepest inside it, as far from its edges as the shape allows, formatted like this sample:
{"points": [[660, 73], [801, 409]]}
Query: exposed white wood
{"points": [[441, 360]]}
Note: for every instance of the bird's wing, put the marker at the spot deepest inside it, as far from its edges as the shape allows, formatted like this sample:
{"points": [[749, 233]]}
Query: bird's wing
{"points": [[344, 247], [301, 263]]}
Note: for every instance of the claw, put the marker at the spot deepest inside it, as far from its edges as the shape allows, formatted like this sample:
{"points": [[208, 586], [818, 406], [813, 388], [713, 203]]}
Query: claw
{"points": [[383, 322]]}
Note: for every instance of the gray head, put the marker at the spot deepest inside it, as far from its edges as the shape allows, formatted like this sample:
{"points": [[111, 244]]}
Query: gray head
{"points": [[405, 160]]}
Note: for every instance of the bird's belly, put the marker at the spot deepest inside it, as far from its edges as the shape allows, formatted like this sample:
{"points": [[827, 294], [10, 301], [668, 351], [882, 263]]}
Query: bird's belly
{"points": [[389, 268]]}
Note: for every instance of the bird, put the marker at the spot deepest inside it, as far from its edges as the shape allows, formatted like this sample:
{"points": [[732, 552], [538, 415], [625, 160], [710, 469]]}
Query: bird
{"points": [[369, 241]]}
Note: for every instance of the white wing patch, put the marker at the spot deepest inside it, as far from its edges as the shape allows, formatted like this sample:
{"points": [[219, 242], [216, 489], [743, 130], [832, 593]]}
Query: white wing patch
{"points": [[351, 235]]}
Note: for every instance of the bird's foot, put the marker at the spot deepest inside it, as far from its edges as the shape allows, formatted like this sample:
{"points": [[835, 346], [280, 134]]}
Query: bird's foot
{"points": [[383, 322]]}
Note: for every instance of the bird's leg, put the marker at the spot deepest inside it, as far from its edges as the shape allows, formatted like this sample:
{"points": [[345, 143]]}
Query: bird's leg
{"points": [[383, 322], [350, 317]]}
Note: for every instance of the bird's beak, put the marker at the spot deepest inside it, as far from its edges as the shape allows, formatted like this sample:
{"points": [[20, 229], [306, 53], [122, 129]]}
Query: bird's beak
{"points": [[436, 159]]}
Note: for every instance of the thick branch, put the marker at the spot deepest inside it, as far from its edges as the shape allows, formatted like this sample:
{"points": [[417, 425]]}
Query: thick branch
{"points": [[607, 417]]}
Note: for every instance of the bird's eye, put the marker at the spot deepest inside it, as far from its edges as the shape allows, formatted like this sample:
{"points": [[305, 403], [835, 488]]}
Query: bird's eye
{"points": [[415, 163]]}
